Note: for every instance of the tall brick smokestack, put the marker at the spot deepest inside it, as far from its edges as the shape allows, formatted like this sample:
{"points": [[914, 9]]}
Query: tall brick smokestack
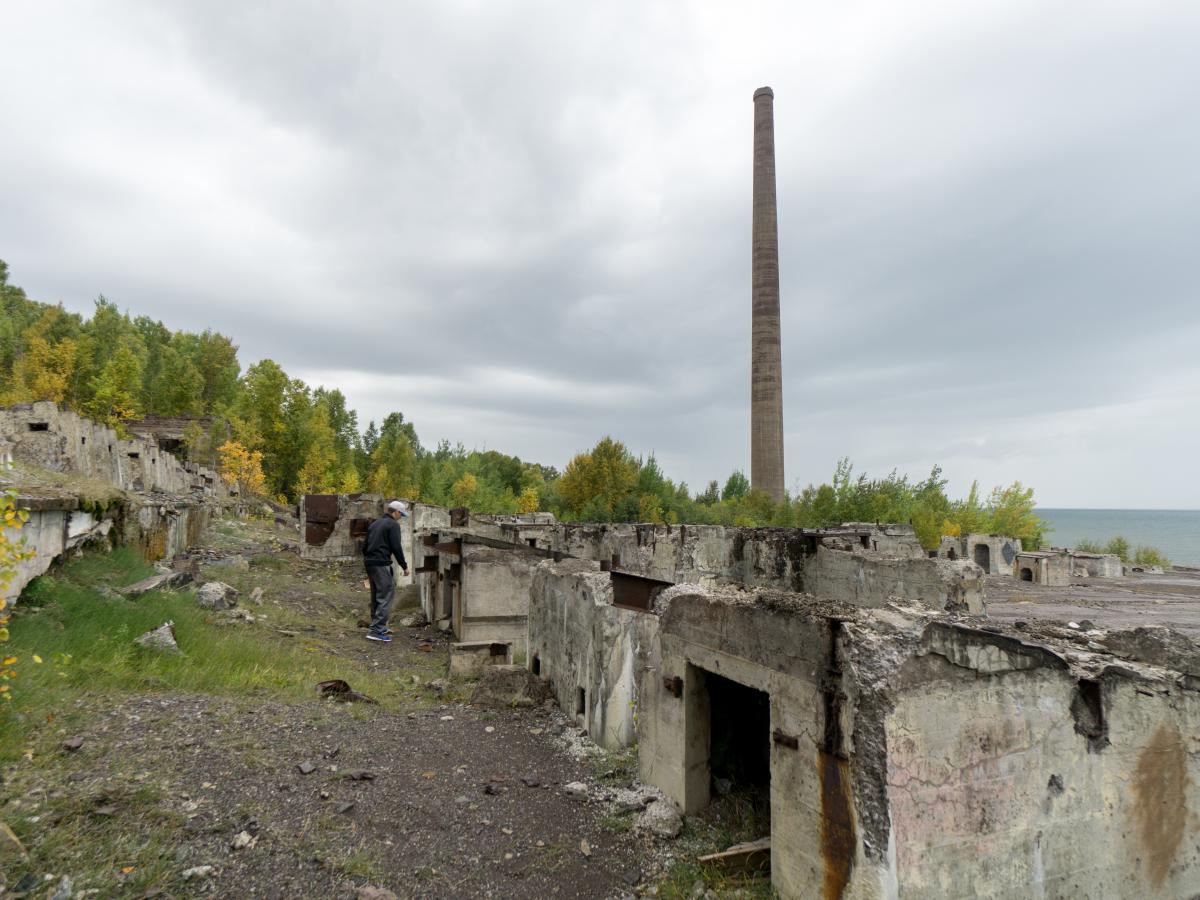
{"points": [[766, 368]]}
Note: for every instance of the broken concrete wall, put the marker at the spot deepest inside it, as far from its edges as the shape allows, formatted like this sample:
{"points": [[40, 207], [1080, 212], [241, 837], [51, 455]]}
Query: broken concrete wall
{"points": [[868, 579], [491, 599], [592, 653], [45, 436], [1012, 773], [1096, 565], [55, 525], [891, 539], [332, 526], [780, 645], [914, 756], [159, 527]]}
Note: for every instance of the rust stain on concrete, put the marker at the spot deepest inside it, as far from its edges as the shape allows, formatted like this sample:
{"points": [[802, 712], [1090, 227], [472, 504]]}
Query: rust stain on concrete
{"points": [[1160, 787], [837, 825]]}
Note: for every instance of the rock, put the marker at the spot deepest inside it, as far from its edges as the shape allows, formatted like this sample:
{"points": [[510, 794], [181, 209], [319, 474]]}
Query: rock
{"points": [[628, 800], [72, 744], [243, 841], [370, 892], [306, 768], [576, 790], [216, 595], [1157, 646], [198, 872], [154, 583], [11, 847], [107, 593], [506, 686], [660, 819], [64, 889], [236, 563], [584, 847], [160, 569], [530, 781], [438, 685], [256, 596], [161, 638], [236, 615]]}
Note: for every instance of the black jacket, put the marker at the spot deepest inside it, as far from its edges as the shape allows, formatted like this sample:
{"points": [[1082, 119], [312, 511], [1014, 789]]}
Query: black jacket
{"points": [[383, 541]]}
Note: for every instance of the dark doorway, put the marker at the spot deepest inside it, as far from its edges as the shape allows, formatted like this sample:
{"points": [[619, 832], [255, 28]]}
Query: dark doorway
{"points": [[1027, 574], [740, 752], [983, 557]]}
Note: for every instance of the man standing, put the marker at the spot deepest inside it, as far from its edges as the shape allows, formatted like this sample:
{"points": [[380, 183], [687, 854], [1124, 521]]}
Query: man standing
{"points": [[383, 542]]}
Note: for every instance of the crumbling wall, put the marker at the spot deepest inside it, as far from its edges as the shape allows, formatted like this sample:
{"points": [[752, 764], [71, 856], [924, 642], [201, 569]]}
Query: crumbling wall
{"points": [[47, 437], [782, 645], [332, 526], [1011, 773], [492, 600], [1096, 565], [159, 527], [592, 653], [891, 539], [868, 579], [55, 525]]}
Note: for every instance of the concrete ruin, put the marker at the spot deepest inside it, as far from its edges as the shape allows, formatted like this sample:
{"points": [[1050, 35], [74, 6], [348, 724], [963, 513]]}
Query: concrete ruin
{"points": [[82, 483], [475, 579], [996, 554], [906, 753], [1051, 568]]}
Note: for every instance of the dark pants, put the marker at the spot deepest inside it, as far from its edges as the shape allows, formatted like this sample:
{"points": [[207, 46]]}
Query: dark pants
{"points": [[383, 592]]}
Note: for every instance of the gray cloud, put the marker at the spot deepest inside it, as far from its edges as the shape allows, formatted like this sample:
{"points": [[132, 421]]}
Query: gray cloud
{"points": [[527, 225]]}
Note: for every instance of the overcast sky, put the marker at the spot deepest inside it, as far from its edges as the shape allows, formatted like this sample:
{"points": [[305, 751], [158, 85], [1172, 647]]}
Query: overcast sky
{"points": [[527, 225]]}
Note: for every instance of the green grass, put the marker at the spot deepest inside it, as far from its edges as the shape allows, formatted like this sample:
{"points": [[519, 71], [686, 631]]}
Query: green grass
{"points": [[730, 820], [86, 642], [1141, 556]]}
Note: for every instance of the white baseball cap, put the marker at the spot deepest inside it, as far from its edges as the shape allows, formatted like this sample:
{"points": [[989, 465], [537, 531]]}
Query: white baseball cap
{"points": [[400, 507]]}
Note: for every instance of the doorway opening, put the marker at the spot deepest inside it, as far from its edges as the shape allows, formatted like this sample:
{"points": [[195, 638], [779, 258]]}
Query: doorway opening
{"points": [[739, 755], [983, 557], [1027, 574]]}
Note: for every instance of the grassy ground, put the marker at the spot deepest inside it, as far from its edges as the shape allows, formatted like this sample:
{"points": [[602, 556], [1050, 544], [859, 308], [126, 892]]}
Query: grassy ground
{"points": [[86, 643]]}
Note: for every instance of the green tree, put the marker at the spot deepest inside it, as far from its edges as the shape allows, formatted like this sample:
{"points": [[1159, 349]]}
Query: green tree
{"points": [[598, 480]]}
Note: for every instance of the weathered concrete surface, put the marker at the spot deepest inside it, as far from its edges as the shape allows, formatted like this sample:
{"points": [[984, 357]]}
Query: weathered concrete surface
{"points": [[468, 660], [918, 755], [865, 578], [592, 653], [332, 526], [1044, 773], [1048, 567], [156, 582], [55, 526], [1171, 600], [1096, 565], [994, 553], [45, 436]]}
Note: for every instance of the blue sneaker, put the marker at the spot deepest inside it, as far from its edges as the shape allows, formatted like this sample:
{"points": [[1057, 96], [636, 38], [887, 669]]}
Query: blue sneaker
{"points": [[382, 638]]}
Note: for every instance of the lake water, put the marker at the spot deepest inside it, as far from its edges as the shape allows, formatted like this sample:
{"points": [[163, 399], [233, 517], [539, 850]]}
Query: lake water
{"points": [[1176, 532]]}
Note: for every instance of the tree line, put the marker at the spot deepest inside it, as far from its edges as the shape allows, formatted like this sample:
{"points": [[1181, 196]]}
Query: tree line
{"points": [[281, 438]]}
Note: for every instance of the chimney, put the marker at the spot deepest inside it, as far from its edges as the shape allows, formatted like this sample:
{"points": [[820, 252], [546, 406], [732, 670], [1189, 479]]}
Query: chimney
{"points": [[766, 368]]}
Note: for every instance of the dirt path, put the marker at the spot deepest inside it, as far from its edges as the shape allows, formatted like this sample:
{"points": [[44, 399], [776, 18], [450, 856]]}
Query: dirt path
{"points": [[421, 794]]}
